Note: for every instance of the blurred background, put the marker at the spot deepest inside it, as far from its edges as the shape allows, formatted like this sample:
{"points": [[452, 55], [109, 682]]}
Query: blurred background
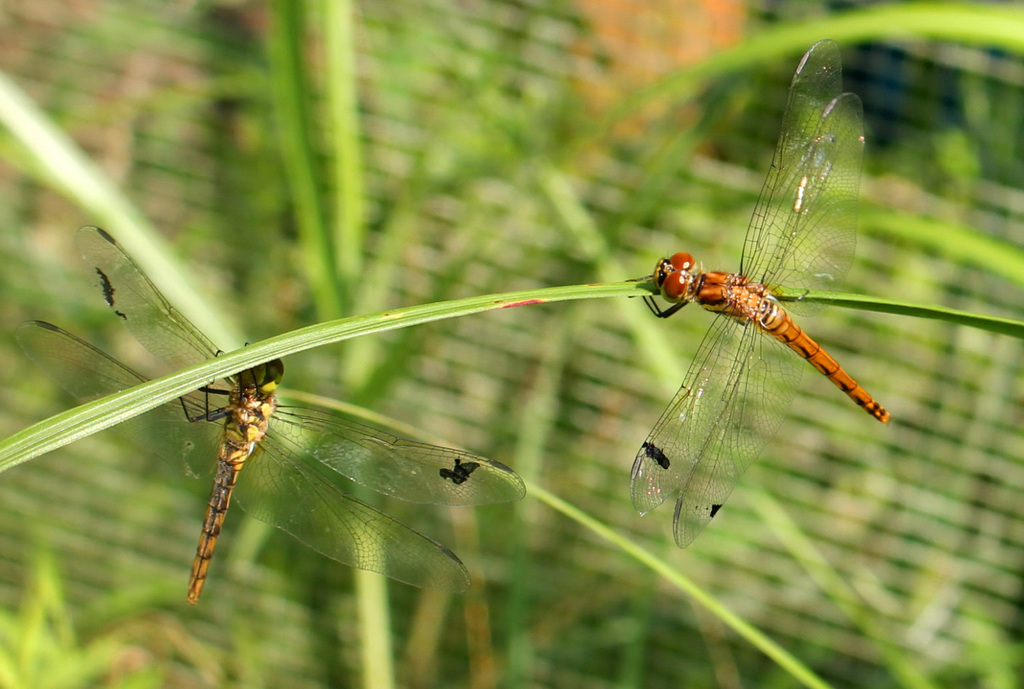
{"points": [[302, 161]]}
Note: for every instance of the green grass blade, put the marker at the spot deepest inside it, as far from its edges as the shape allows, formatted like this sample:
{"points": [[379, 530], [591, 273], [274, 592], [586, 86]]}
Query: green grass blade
{"points": [[291, 92], [342, 124]]}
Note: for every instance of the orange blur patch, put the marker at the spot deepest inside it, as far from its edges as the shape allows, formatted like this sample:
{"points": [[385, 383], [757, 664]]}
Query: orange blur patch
{"points": [[632, 45]]}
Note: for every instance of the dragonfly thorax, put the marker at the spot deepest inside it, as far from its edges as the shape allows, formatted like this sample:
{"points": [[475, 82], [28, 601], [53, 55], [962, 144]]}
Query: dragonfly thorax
{"points": [[738, 297]]}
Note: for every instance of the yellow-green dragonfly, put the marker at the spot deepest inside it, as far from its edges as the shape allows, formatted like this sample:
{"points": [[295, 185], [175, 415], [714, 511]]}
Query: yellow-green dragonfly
{"points": [[291, 456]]}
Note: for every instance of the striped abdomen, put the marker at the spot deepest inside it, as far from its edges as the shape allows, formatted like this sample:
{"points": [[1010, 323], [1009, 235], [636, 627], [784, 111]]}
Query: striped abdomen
{"points": [[779, 325]]}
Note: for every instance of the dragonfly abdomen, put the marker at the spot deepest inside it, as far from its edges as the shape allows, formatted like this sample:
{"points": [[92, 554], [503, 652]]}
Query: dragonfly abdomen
{"points": [[777, 323], [243, 430]]}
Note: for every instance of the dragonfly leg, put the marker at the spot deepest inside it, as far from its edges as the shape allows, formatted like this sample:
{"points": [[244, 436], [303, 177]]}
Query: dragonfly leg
{"points": [[209, 414], [660, 312]]}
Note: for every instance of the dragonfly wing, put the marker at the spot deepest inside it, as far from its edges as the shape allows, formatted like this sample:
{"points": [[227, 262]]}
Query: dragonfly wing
{"points": [[157, 325], [667, 458], [279, 490], [802, 233], [88, 373], [394, 466], [732, 401], [755, 399]]}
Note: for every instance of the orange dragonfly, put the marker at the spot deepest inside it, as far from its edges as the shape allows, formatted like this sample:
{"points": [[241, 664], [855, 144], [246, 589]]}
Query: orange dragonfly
{"points": [[293, 458], [739, 386]]}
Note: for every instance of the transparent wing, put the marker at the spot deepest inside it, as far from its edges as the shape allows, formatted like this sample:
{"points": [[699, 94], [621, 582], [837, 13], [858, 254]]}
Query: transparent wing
{"points": [[401, 468], [732, 401], [87, 373], [802, 233], [292, 496], [276, 489], [150, 318]]}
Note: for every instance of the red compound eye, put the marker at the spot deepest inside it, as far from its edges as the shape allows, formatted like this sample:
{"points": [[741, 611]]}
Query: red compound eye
{"points": [[681, 261], [673, 288]]}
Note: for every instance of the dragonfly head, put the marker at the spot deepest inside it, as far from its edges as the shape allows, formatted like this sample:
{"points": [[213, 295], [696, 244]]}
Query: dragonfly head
{"points": [[265, 377], [673, 277]]}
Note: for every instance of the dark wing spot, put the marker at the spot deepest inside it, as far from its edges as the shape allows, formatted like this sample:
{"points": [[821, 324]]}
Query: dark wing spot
{"points": [[121, 315], [652, 451], [108, 289], [459, 474], [714, 510]]}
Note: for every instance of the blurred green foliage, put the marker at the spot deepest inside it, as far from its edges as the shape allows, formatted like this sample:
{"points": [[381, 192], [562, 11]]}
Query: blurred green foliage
{"points": [[275, 165]]}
